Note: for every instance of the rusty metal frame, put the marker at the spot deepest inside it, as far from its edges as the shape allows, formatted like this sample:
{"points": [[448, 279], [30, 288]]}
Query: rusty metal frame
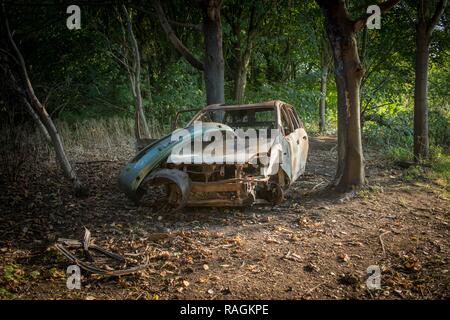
{"points": [[236, 189]]}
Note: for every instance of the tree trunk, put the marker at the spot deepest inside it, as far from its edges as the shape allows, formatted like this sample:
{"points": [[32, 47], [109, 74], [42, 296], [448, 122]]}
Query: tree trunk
{"points": [[348, 72], [353, 174], [427, 20], [213, 60], [14, 84], [37, 121], [61, 156], [341, 115], [178, 45], [213, 63], [141, 126], [323, 98], [323, 90], [421, 143], [240, 80]]}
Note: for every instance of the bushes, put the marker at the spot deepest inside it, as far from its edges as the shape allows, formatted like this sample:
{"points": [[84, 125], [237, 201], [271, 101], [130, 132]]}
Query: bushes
{"points": [[395, 133]]}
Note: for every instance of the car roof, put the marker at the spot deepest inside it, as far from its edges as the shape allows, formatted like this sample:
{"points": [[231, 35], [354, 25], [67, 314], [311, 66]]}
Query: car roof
{"points": [[266, 104]]}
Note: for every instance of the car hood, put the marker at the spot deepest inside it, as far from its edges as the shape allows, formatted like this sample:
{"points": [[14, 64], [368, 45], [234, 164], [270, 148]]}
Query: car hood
{"points": [[151, 156]]}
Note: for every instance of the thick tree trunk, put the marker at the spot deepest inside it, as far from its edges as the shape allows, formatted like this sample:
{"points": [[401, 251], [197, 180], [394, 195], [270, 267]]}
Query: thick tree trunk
{"points": [[353, 174], [44, 117], [213, 60], [341, 130], [348, 72], [421, 143], [427, 19]]}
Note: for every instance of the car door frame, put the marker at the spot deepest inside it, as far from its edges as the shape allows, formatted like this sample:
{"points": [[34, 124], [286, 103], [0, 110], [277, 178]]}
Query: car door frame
{"points": [[301, 144]]}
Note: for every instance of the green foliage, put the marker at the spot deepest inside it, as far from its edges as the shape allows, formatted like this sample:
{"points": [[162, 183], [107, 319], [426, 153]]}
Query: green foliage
{"points": [[11, 277], [78, 78], [440, 167], [436, 169], [5, 294], [180, 88], [303, 93]]}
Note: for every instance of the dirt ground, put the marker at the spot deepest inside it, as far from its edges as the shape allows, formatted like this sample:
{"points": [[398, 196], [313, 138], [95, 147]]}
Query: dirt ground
{"points": [[316, 245]]}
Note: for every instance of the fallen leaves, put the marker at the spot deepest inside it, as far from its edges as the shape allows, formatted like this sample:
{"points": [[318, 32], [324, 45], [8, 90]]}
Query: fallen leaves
{"points": [[349, 279], [292, 256], [411, 263], [343, 257], [311, 267], [186, 283]]}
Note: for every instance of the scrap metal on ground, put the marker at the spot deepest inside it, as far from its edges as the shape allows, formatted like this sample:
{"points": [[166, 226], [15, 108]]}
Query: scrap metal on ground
{"points": [[66, 245]]}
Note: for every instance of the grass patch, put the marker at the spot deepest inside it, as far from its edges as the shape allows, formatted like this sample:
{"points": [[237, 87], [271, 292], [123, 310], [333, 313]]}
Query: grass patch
{"points": [[440, 168], [436, 170]]}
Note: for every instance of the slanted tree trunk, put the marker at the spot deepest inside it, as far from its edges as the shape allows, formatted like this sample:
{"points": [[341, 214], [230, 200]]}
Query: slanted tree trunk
{"points": [[424, 29], [341, 32], [174, 40], [213, 59], [44, 117]]}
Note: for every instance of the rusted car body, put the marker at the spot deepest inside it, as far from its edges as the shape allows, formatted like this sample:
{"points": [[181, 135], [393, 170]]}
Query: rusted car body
{"points": [[239, 173]]}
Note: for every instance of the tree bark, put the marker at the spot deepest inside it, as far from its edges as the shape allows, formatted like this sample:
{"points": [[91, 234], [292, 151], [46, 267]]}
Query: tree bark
{"points": [[421, 142], [213, 59], [424, 29], [323, 98], [37, 121], [240, 80], [348, 73], [323, 87], [44, 117], [341, 31]]}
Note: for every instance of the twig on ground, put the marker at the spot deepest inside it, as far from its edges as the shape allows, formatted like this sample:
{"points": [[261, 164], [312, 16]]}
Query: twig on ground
{"points": [[315, 287], [382, 243]]}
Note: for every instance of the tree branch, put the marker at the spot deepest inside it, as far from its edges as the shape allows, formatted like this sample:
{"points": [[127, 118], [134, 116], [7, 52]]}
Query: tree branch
{"points": [[176, 42], [437, 14], [384, 6], [196, 27]]}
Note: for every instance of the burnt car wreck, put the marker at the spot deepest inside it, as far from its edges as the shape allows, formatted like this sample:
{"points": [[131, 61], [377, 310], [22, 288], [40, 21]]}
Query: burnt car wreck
{"points": [[227, 155]]}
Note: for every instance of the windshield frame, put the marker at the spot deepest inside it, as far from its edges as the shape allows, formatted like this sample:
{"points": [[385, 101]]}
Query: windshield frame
{"points": [[202, 112]]}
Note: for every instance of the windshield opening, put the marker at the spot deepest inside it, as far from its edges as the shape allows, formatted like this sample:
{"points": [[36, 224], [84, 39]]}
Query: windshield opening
{"points": [[258, 118]]}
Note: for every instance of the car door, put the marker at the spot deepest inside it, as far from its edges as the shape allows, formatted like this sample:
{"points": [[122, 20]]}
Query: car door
{"points": [[289, 145], [298, 142]]}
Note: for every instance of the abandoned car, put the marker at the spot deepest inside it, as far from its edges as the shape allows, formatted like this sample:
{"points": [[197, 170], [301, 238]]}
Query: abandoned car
{"points": [[227, 155]]}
